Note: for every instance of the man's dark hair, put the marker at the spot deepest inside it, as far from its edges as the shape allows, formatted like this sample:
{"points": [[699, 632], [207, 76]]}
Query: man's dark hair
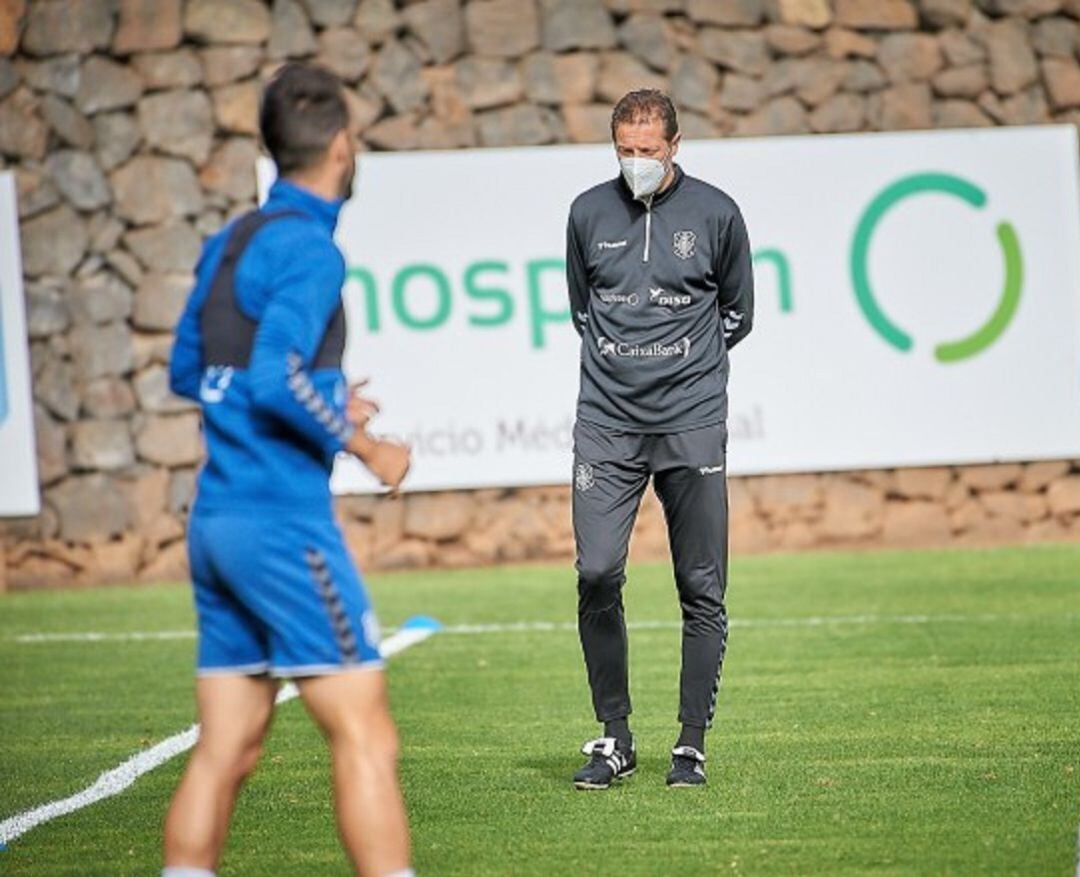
{"points": [[645, 105], [303, 107]]}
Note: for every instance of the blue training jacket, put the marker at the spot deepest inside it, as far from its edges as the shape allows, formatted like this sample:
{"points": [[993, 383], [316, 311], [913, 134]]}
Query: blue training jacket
{"points": [[273, 428]]}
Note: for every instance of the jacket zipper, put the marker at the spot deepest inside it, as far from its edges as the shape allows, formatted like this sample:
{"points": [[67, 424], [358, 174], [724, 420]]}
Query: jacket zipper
{"points": [[648, 229]]}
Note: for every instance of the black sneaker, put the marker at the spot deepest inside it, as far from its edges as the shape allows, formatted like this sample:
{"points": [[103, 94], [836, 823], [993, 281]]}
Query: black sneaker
{"points": [[610, 761], [687, 768]]}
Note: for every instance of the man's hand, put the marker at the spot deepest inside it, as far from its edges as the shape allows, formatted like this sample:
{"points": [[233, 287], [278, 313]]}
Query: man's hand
{"points": [[386, 460], [390, 462], [360, 409]]}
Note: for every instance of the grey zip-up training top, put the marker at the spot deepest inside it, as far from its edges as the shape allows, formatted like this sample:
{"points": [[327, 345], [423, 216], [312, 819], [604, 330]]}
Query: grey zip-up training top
{"points": [[659, 293]]}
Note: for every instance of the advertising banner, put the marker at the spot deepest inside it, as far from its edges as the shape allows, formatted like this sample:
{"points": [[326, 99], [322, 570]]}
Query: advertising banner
{"points": [[918, 302], [18, 463]]}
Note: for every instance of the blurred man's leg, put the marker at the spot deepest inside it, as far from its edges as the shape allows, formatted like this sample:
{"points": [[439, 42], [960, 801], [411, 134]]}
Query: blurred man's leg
{"points": [[353, 712], [234, 714]]}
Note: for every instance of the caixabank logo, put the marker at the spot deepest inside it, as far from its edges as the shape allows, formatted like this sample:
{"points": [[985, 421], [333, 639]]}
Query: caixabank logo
{"points": [[984, 334]]}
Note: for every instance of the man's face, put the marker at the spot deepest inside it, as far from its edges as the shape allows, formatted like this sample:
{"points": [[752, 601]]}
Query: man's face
{"points": [[644, 140]]}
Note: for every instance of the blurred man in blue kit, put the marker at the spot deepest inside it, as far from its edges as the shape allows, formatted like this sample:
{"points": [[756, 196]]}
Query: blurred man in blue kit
{"points": [[259, 347]]}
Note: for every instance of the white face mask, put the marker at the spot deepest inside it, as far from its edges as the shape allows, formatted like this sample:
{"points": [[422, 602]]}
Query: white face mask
{"points": [[643, 175]]}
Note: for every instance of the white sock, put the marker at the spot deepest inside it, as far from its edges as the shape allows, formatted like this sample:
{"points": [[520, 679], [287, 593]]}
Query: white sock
{"points": [[404, 872], [185, 871]]}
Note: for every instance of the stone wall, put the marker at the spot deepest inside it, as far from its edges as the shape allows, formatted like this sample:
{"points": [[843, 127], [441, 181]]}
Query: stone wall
{"points": [[904, 508], [131, 126]]}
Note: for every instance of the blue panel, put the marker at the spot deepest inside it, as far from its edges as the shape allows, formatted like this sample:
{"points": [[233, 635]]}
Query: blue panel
{"points": [[3, 364]]}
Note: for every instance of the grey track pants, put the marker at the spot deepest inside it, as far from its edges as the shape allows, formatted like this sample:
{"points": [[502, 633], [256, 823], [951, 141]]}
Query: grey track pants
{"points": [[611, 472]]}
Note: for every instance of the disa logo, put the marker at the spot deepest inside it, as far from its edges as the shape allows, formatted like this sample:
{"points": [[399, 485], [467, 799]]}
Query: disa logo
{"points": [[986, 334]]}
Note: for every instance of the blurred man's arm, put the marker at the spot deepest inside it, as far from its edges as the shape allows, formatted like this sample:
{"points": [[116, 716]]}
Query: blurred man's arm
{"points": [[306, 294], [186, 362]]}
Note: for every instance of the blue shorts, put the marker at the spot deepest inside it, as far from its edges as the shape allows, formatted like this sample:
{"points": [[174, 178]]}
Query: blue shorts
{"points": [[278, 595]]}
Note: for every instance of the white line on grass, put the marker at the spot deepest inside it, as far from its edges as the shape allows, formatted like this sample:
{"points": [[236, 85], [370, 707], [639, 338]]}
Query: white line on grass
{"points": [[557, 626], [90, 636], [115, 781], [806, 621]]}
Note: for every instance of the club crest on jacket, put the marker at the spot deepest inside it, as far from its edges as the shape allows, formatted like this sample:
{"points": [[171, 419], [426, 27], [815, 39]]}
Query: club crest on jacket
{"points": [[684, 244]]}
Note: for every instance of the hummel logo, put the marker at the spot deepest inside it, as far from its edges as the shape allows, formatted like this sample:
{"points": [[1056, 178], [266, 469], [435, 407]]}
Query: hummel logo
{"points": [[610, 245], [711, 470]]}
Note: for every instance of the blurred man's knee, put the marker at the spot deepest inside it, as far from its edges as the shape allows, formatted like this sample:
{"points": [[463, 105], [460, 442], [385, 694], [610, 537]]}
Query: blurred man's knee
{"points": [[368, 741], [230, 759], [248, 759]]}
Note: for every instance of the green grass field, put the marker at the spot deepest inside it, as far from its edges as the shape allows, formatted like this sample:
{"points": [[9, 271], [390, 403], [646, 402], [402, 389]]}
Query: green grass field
{"points": [[913, 713]]}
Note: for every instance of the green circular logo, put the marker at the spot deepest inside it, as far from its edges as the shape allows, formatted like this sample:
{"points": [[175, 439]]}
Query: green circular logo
{"points": [[947, 184]]}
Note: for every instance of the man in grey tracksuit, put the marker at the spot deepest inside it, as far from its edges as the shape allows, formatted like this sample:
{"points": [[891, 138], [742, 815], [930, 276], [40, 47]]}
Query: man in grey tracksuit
{"points": [[660, 283]]}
